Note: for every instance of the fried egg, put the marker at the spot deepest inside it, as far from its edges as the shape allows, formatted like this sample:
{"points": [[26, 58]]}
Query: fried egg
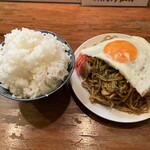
{"points": [[131, 56]]}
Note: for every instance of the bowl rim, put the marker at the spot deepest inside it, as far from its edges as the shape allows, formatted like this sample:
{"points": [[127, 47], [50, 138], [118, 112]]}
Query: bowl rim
{"points": [[72, 63]]}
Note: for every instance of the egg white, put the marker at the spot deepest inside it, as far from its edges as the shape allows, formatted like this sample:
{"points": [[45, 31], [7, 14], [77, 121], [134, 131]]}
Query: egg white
{"points": [[136, 72]]}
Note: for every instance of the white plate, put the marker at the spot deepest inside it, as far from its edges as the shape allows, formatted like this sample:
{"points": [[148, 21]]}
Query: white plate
{"points": [[100, 110]]}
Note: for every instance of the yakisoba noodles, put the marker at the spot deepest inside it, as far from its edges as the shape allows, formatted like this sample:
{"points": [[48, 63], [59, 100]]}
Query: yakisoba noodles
{"points": [[108, 87]]}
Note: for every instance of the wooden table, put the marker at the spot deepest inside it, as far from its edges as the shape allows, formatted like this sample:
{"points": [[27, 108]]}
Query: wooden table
{"points": [[61, 122]]}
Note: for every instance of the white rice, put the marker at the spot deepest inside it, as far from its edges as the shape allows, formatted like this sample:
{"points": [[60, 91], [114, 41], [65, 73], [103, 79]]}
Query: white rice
{"points": [[32, 63]]}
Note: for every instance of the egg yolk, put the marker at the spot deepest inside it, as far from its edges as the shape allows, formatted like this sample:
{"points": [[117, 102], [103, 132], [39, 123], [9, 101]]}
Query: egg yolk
{"points": [[121, 51]]}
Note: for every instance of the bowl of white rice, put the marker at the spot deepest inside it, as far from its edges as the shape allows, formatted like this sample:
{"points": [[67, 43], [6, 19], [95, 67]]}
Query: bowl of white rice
{"points": [[34, 64]]}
